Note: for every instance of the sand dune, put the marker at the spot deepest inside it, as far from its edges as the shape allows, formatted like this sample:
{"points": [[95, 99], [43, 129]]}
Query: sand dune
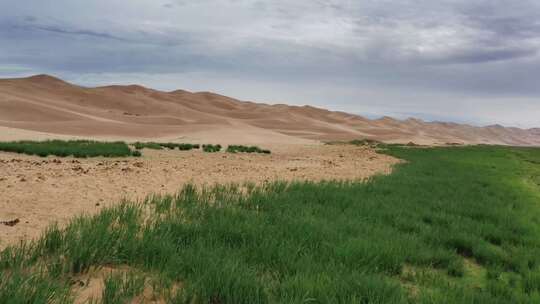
{"points": [[43, 105]]}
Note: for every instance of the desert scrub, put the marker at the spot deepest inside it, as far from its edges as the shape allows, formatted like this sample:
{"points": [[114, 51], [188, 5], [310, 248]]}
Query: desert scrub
{"points": [[449, 225], [358, 142], [246, 149], [187, 147], [61, 148], [181, 146], [364, 142], [147, 145], [170, 146], [211, 148]]}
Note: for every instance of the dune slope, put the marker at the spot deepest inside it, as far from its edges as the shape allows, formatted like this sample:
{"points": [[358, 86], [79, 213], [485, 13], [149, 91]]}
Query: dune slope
{"points": [[49, 105]]}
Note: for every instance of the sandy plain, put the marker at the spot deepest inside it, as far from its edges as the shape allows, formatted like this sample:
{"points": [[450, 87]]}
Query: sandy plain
{"points": [[37, 192]]}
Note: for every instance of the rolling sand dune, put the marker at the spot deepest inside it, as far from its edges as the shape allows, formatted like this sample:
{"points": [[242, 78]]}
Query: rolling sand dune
{"points": [[50, 106]]}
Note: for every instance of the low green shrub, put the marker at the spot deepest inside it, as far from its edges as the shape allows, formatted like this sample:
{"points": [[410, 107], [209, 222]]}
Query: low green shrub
{"points": [[170, 146], [148, 145], [211, 148], [246, 149], [61, 148], [187, 147]]}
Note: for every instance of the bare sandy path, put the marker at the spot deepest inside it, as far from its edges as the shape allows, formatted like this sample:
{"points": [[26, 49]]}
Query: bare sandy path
{"points": [[40, 191]]}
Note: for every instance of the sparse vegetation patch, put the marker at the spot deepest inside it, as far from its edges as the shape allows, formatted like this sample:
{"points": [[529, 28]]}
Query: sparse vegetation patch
{"points": [[211, 148], [170, 146], [357, 142], [61, 148], [181, 147], [147, 145], [246, 149], [364, 142]]}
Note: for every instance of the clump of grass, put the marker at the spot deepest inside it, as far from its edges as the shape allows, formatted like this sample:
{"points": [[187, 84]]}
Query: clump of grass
{"points": [[18, 286], [121, 288], [181, 147], [170, 146], [147, 145], [246, 149], [211, 148], [189, 146], [449, 225], [61, 148]]}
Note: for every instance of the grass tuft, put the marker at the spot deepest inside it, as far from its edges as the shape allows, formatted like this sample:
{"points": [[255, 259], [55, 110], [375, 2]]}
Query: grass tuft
{"points": [[121, 288], [170, 146], [246, 149], [147, 145], [211, 148]]}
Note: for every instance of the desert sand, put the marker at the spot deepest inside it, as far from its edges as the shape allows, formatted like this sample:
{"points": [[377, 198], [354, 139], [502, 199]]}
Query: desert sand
{"points": [[50, 106], [39, 191]]}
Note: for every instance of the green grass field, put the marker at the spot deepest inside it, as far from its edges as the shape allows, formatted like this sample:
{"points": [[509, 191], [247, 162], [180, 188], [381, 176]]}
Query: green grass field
{"points": [[449, 225], [76, 148]]}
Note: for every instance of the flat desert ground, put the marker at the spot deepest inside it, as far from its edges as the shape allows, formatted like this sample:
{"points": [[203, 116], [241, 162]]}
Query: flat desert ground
{"points": [[41, 191]]}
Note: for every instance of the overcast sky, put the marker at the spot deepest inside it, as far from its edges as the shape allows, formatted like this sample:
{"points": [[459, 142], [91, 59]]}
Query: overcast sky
{"points": [[474, 61]]}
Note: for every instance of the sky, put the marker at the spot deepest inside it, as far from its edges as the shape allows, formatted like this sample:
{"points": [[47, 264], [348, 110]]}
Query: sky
{"points": [[470, 61]]}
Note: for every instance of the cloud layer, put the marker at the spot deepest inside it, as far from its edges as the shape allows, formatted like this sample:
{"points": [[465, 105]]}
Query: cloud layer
{"points": [[475, 61]]}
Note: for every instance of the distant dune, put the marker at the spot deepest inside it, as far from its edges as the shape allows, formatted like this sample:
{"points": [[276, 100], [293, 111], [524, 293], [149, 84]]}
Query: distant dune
{"points": [[41, 106]]}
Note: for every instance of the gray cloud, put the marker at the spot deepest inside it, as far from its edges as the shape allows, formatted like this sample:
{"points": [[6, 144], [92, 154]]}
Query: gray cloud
{"points": [[56, 29], [405, 56], [480, 56]]}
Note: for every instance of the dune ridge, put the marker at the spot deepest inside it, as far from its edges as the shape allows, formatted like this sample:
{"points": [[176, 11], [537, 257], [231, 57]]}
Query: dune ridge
{"points": [[49, 105]]}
